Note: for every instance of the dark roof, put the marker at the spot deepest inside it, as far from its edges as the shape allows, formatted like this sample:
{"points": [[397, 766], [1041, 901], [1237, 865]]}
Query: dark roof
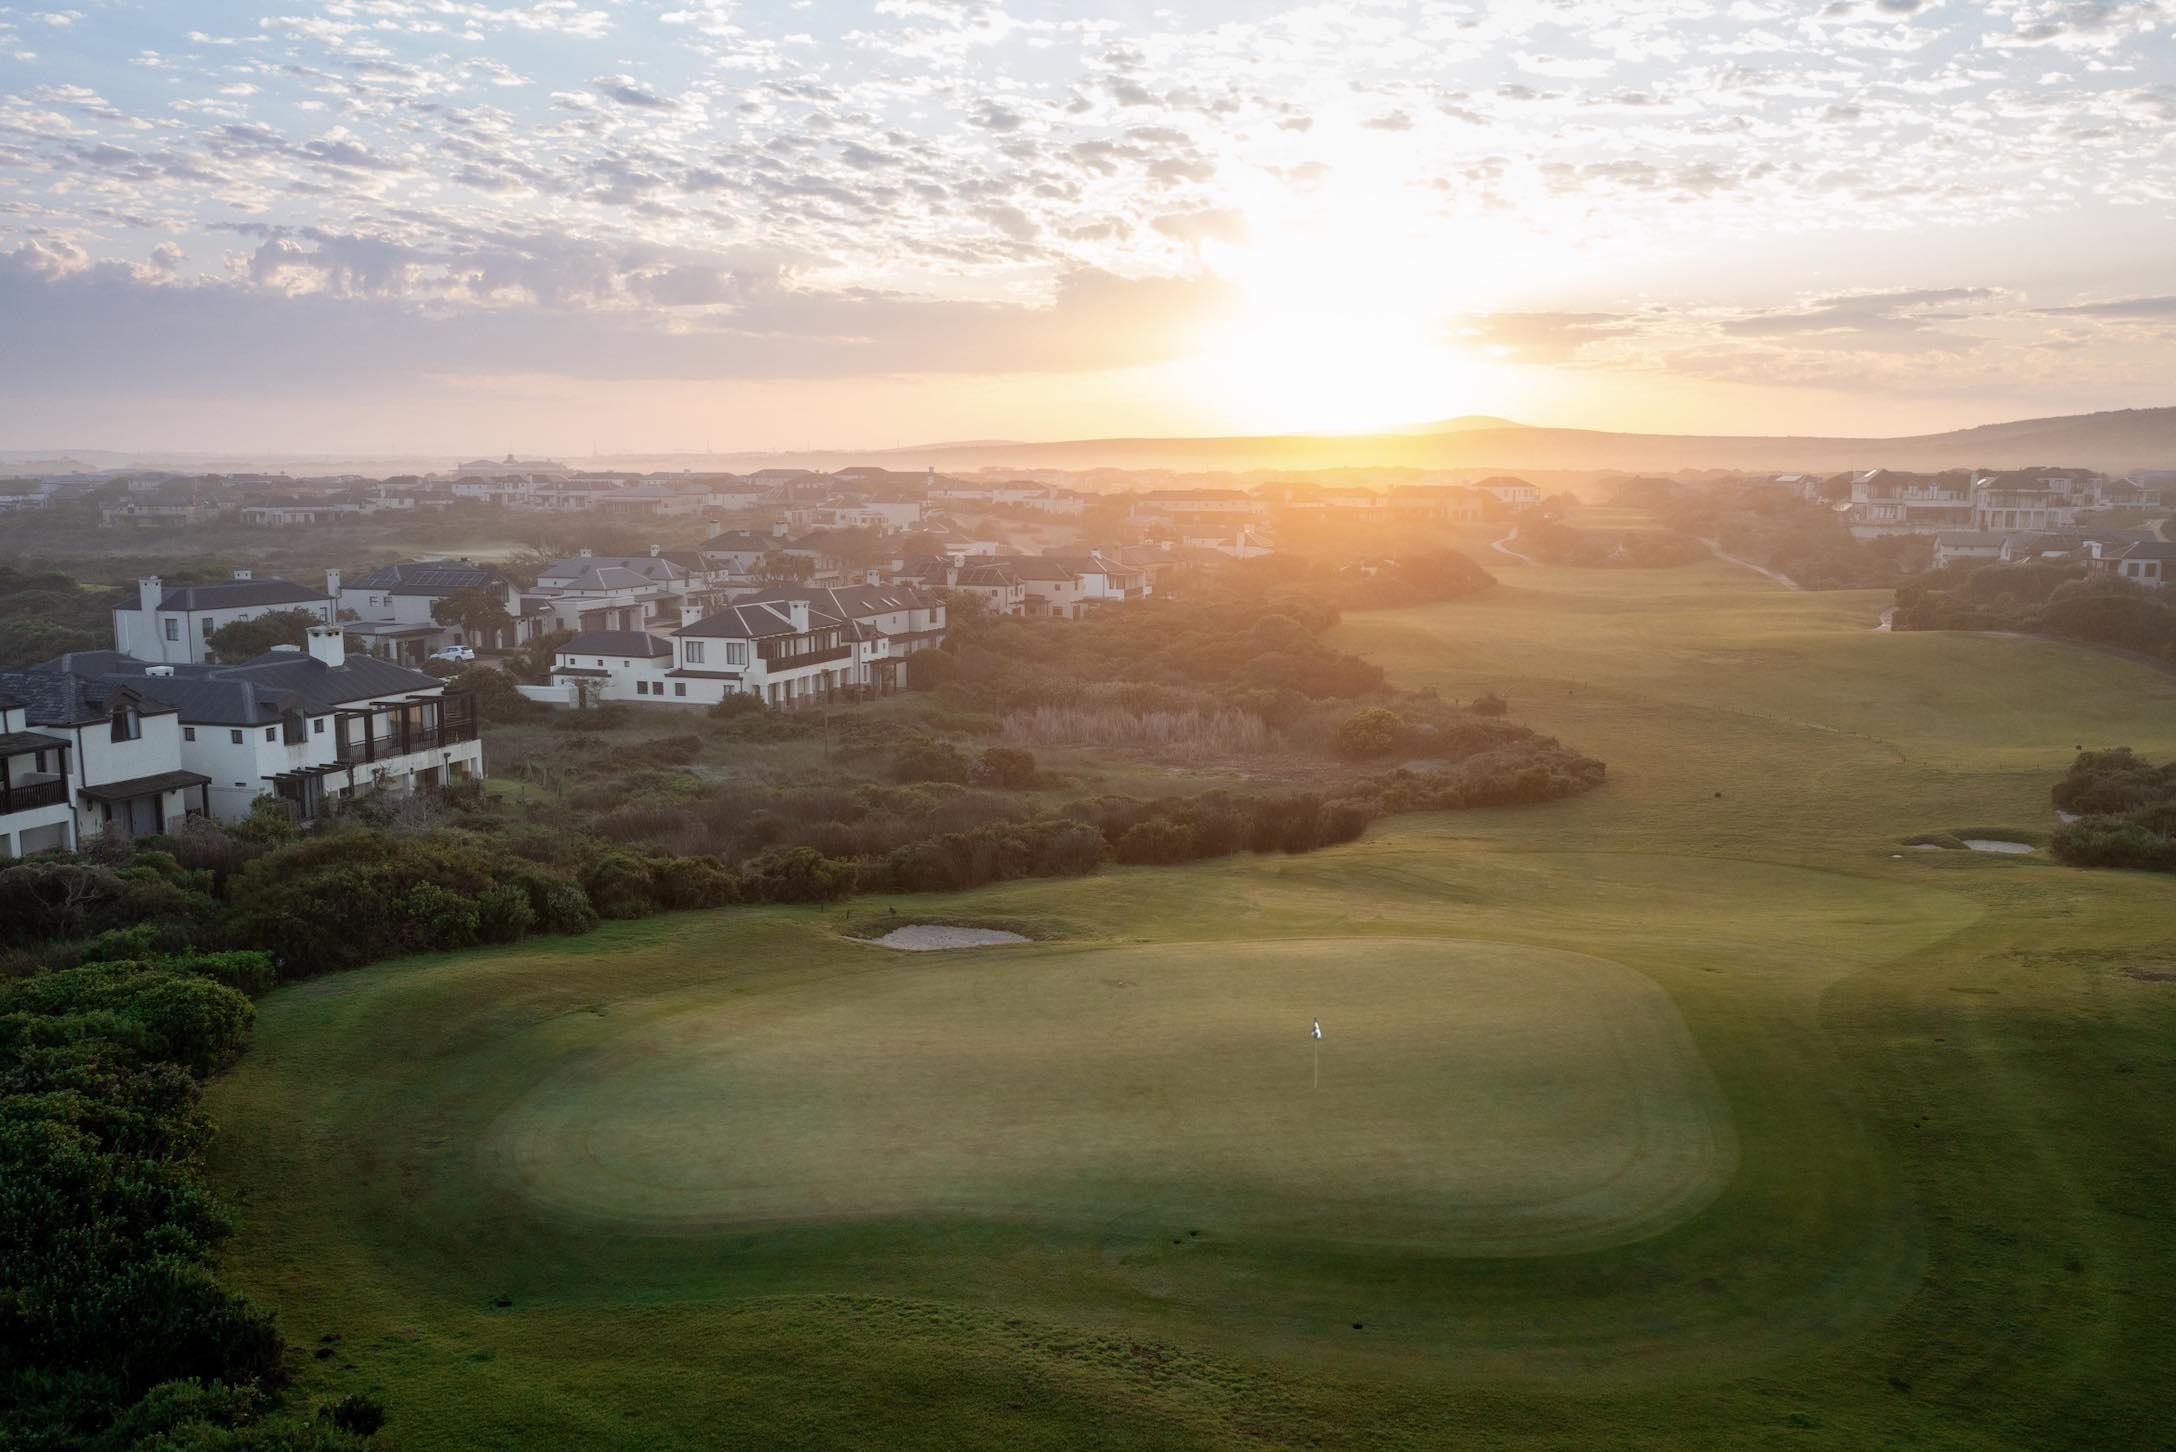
{"points": [[615, 642], [2149, 550], [144, 786], [738, 541], [234, 594], [753, 622], [849, 601], [430, 577], [23, 743], [651, 568], [253, 693]]}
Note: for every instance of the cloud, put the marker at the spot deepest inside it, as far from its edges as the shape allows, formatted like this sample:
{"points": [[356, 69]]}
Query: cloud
{"points": [[2138, 308], [629, 92]]}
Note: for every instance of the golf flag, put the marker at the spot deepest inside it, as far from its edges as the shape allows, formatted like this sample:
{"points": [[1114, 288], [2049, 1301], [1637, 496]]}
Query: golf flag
{"points": [[1318, 1028]]}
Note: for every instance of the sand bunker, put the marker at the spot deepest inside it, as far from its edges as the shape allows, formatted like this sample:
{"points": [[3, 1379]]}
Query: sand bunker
{"points": [[929, 937], [1989, 844]]}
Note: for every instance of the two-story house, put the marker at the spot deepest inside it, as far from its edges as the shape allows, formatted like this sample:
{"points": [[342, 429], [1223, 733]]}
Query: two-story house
{"points": [[35, 776], [124, 761], [894, 622], [307, 725], [172, 626], [390, 609]]}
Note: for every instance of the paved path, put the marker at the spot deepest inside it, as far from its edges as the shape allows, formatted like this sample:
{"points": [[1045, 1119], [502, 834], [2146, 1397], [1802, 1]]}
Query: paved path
{"points": [[1503, 547], [1730, 559]]}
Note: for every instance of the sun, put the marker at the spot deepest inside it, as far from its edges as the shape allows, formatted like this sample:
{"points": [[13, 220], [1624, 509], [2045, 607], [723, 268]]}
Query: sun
{"points": [[1343, 325]]}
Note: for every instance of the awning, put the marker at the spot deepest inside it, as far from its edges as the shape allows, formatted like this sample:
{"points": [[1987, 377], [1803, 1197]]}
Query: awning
{"points": [[145, 786], [24, 743]]}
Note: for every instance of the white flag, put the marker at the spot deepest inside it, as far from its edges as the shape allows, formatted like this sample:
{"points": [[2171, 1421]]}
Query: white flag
{"points": [[1318, 1028]]}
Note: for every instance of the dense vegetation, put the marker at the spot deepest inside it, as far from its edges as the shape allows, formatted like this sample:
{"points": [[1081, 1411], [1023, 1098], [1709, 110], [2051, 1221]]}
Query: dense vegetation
{"points": [[1554, 542], [113, 1330], [2041, 597], [44, 613], [1801, 539], [2124, 812]]}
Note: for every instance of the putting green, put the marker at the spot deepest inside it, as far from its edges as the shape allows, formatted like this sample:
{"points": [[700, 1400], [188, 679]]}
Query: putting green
{"points": [[1473, 1097]]}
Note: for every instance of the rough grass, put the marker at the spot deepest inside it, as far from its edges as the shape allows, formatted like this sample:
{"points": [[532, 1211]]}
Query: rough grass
{"points": [[1188, 734], [1946, 1074]]}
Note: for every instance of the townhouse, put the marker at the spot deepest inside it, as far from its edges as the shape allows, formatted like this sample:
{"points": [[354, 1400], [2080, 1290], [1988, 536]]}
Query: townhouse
{"points": [[899, 620], [123, 761], [311, 726], [2151, 563], [172, 626], [37, 782], [390, 609]]}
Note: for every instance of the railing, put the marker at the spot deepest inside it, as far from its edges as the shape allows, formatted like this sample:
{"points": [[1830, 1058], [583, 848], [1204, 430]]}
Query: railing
{"points": [[24, 796], [807, 658], [397, 743]]}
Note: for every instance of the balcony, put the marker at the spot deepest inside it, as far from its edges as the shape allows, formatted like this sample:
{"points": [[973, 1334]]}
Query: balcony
{"points": [[28, 795], [778, 663], [375, 735]]}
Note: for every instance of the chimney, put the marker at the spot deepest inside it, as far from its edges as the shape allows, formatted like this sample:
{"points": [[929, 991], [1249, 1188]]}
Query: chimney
{"points": [[778, 531], [329, 643], [241, 574], [149, 592], [582, 553], [797, 612], [332, 583], [656, 550]]}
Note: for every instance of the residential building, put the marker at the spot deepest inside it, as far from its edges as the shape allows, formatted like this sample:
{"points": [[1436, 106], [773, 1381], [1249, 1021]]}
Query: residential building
{"points": [[172, 626], [157, 513], [36, 784], [2152, 564], [124, 766], [311, 726], [1510, 490], [291, 513], [390, 609], [784, 651], [904, 620], [612, 665], [1441, 503]]}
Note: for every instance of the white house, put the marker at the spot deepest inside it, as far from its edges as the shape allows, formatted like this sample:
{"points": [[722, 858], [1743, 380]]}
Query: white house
{"points": [[2149, 563], [36, 782], [307, 725], [612, 665], [390, 608], [893, 622], [1510, 490], [171, 626]]}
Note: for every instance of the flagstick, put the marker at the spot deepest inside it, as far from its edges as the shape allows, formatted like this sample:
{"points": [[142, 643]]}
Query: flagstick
{"points": [[1318, 1063]]}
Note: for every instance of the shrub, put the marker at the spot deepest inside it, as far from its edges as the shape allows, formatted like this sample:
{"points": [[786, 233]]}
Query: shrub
{"points": [[929, 669], [1370, 733], [802, 875], [682, 883], [618, 885], [1488, 705], [925, 758], [1006, 766]]}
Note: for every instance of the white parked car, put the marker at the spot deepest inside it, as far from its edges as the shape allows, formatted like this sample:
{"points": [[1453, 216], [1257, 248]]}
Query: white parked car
{"points": [[454, 652]]}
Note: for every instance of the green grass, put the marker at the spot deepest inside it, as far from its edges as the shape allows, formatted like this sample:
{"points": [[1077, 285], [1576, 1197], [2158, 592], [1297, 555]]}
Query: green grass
{"points": [[1696, 1112]]}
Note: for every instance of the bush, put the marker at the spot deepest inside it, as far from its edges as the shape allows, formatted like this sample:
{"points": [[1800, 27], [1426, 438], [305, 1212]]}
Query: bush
{"points": [[682, 883], [802, 875], [618, 885], [1370, 733], [925, 758], [1006, 766], [929, 669], [1488, 705]]}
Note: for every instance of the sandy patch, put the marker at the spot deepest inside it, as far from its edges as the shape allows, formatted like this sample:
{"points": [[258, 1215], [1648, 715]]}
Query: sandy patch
{"points": [[930, 937], [1989, 844]]}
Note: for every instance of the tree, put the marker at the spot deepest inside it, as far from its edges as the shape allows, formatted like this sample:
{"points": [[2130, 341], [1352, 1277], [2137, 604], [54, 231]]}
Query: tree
{"points": [[533, 662], [242, 640], [1373, 732], [495, 693], [480, 614], [780, 568]]}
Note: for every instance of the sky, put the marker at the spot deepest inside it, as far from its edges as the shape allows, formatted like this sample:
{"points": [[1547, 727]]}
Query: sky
{"points": [[566, 226]]}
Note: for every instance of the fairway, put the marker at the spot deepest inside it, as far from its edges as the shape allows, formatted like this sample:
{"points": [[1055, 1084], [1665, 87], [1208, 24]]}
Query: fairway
{"points": [[1697, 1111], [1475, 1097]]}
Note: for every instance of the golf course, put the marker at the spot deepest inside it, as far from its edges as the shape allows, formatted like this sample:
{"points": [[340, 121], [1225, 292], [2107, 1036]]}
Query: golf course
{"points": [[1697, 1111]]}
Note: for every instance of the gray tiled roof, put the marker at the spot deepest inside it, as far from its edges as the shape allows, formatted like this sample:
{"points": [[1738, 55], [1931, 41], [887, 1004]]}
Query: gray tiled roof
{"points": [[252, 693], [234, 594], [616, 642], [753, 622], [434, 578]]}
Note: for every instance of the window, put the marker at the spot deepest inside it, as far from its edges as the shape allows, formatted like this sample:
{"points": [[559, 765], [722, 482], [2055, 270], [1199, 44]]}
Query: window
{"points": [[188, 733], [679, 688], [642, 688], [127, 726], [207, 627], [173, 628], [695, 652], [318, 726], [271, 733], [736, 652], [236, 738]]}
